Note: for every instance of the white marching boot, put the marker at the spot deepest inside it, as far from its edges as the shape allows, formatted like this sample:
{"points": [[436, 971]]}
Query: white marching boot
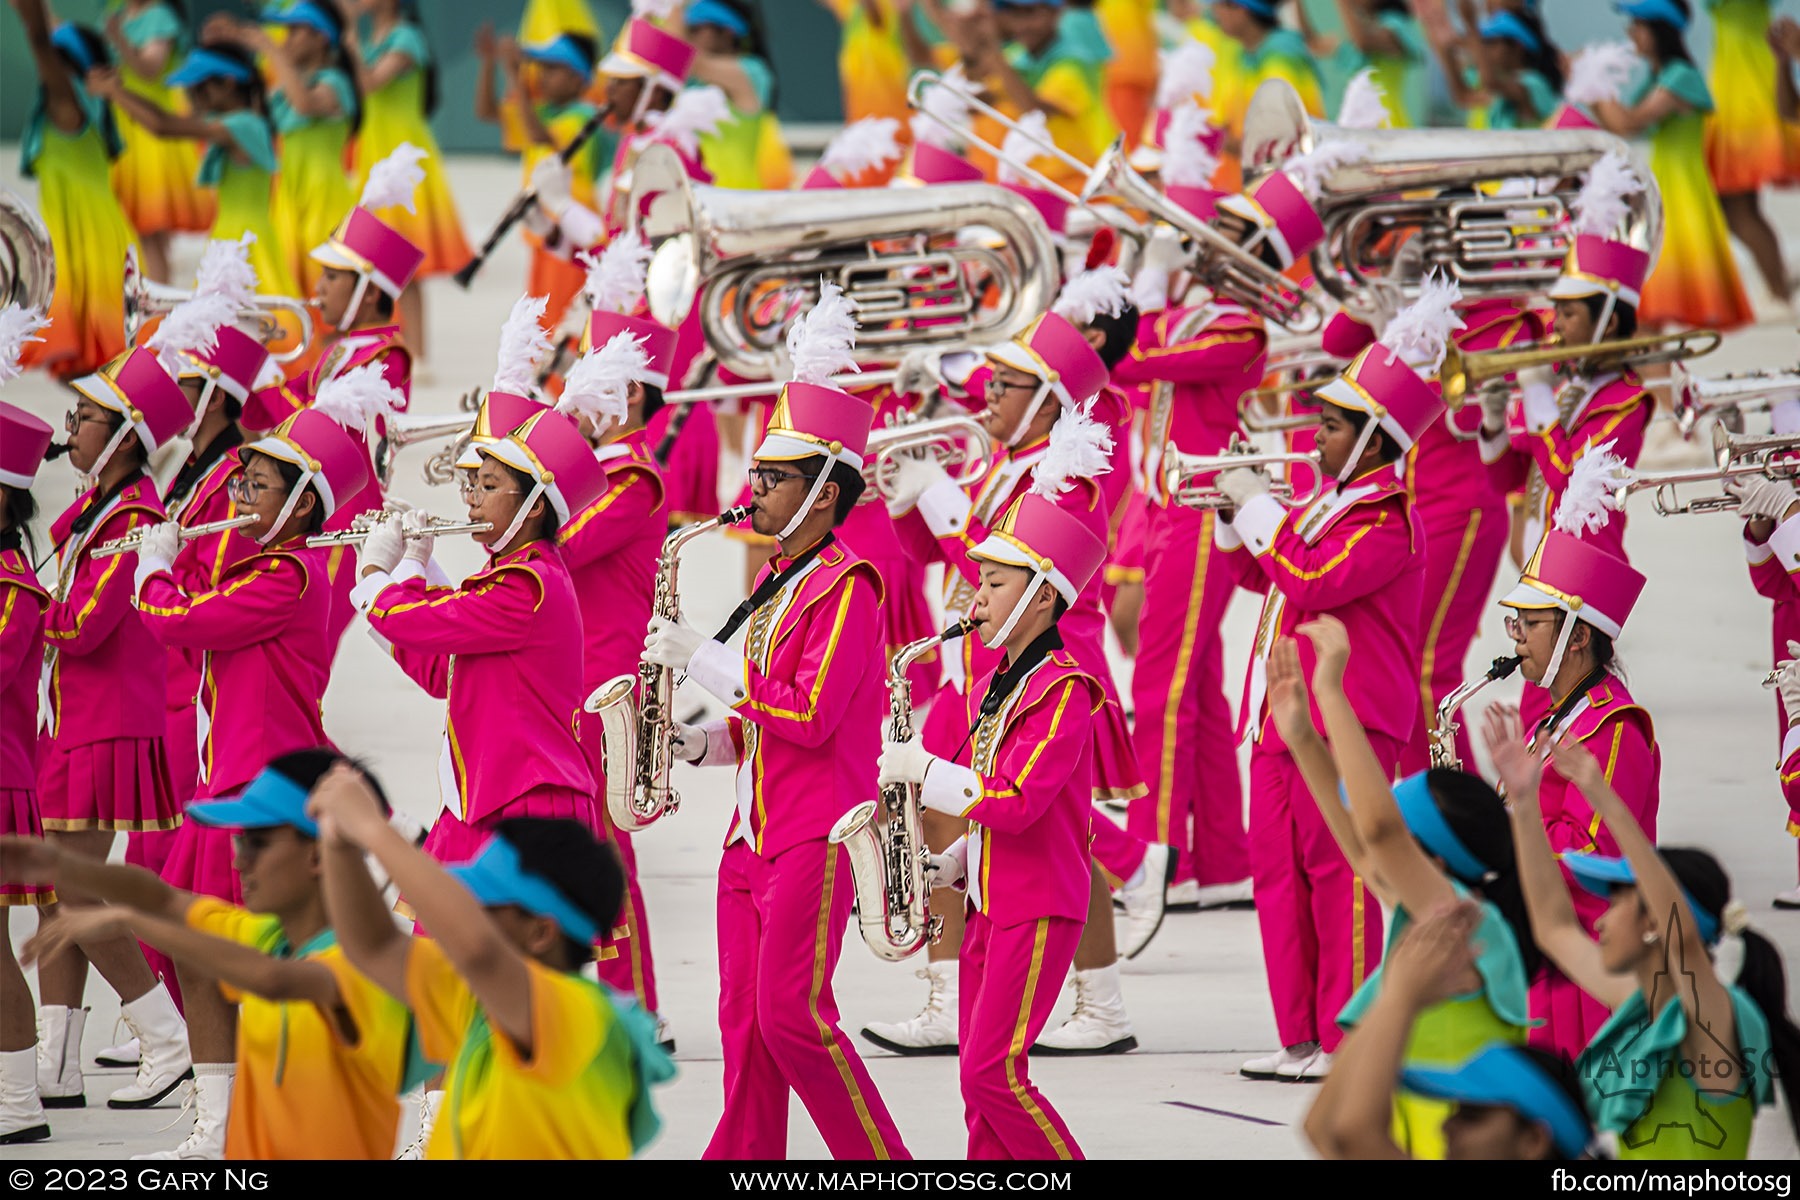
{"points": [[164, 1062], [1282, 1065], [934, 1030], [1145, 899], [59, 1056], [1315, 1068], [211, 1095], [427, 1104], [1099, 1024], [125, 1054], [21, 1113]]}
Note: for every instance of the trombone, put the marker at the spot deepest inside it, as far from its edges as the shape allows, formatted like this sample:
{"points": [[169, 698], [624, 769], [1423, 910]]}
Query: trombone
{"points": [[1463, 371], [1735, 456], [959, 444], [1182, 474], [365, 524], [135, 539]]}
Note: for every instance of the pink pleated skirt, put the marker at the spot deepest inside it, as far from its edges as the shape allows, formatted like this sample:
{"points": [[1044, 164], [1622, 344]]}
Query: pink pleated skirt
{"points": [[120, 784], [452, 840], [19, 818], [200, 862]]}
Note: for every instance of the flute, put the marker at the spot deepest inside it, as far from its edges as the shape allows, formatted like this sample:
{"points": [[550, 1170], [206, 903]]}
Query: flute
{"points": [[526, 198], [356, 535], [135, 539]]}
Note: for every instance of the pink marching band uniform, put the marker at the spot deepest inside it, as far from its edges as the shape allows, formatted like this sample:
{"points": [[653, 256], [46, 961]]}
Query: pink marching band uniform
{"points": [[496, 648], [1581, 577], [261, 634], [661, 60], [1775, 573], [23, 441], [101, 764], [1354, 551], [803, 735], [1017, 777]]}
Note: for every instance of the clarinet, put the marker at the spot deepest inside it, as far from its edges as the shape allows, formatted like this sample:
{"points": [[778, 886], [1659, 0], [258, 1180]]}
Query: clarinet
{"points": [[527, 197]]}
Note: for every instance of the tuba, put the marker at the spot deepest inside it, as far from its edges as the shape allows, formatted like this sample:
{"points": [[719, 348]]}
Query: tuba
{"points": [[638, 734], [146, 300], [27, 260], [885, 839], [1445, 725], [1437, 186], [404, 429], [752, 260]]}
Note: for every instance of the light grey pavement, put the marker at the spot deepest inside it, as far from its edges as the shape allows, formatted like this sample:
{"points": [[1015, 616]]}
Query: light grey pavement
{"points": [[1696, 650]]}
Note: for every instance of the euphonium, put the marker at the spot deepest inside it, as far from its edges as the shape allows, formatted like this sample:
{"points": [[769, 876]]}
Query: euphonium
{"points": [[27, 261], [753, 261], [884, 839], [1443, 735], [404, 429], [145, 299], [960, 444], [637, 727], [1182, 473], [1694, 397]]}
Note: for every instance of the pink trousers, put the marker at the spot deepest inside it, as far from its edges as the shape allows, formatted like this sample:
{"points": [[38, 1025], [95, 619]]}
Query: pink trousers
{"points": [[1010, 979], [1118, 852], [781, 927], [1185, 737], [1462, 555], [1321, 929], [625, 963]]}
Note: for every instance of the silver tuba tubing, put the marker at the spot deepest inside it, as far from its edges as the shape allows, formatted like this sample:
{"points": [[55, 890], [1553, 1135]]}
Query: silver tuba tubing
{"points": [[27, 259], [146, 300], [1696, 397]]}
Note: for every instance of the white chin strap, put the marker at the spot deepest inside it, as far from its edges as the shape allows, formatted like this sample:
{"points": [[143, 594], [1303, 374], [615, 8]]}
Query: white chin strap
{"points": [[287, 509], [1562, 645], [1356, 453], [112, 447], [1031, 412], [512, 530], [812, 496], [1606, 312], [347, 318], [1018, 610], [206, 393]]}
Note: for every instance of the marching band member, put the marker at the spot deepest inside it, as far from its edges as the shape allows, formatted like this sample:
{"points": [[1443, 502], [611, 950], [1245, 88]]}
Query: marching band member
{"points": [[1353, 551], [1571, 604], [645, 74], [1018, 781], [101, 767], [512, 698], [802, 713], [1771, 543], [1602, 399], [1788, 681], [23, 442]]}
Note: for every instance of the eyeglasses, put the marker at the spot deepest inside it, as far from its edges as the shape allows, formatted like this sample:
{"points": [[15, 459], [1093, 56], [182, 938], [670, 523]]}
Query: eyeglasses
{"points": [[995, 384], [478, 494], [73, 421], [767, 479], [1518, 630], [245, 490]]}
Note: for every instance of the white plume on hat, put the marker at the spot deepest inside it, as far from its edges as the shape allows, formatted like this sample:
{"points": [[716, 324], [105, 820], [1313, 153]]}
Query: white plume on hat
{"points": [[1187, 72], [1590, 500], [355, 398], [861, 146], [1600, 72], [523, 344], [394, 179], [1186, 160], [1105, 289], [1080, 448], [1420, 332], [697, 112], [949, 106], [1022, 144], [820, 342], [17, 326], [1365, 103], [225, 270], [615, 276], [599, 384], [192, 327], [1308, 171], [654, 10], [1601, 206]]}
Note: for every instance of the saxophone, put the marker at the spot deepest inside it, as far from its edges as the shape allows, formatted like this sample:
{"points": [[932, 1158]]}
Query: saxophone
{"points": [[1443, 734], [884, 838], [637, 729]]}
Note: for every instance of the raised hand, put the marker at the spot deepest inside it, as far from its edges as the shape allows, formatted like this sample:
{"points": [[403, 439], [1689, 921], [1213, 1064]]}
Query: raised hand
{"points": [[1289, 701], [1331, 650], [1504, 734]]}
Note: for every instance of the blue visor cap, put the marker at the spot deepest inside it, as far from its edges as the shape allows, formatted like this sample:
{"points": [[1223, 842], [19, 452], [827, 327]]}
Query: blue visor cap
{"points": [[562, 51], [1262, 8], [1666, 11], [272, 799], [717, 12], [1505, 1077], [1507, 27], [1600, 874], [67, 38], [496, 878], [202, 65], [306, 13], [1418, 807]]}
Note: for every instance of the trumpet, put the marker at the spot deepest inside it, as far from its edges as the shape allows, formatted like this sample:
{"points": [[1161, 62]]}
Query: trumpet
{"points": [[1182, 473], [1734, 457], [1694, 397], [365, 524], [145, 299], [1462, 371], [959, 444], [135, 539]]}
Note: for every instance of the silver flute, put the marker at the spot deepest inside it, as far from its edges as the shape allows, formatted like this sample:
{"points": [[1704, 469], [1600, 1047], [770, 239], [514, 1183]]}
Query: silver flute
{"points": [[367, 523], [135, 539]]}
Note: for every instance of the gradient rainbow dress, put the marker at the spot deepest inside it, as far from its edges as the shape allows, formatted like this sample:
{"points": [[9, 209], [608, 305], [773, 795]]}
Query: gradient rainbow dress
{"points": [[1129, 27], [313, 191], [154, 177], [1401, 77], [1502, 113], [244, 192], [1281, 55], [1696, 279], [872, 66], [396, 114], [750, 151], [1747, 144], [89, 235]]}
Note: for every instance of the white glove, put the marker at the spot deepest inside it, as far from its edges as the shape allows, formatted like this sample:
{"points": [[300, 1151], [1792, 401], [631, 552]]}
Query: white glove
{"points": [[668, 644], [1787, 681], [1496, 397], [1761, 497], [1243, 484], [903, 762], [1538, 375], [1150, 290], [382, 550], [689, 742], [161, 544], [550, 179], [418, 542], [1165, 251], [944, 870], [912, 479], [918, 373]]}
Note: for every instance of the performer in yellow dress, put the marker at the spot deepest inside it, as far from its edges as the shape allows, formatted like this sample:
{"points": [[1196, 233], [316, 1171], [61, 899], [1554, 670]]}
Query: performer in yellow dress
{"points": [[68, 146], [749, 151], [1747, 145], [1265, 50], [154, 178], [872, 60], [1130, 29]]}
